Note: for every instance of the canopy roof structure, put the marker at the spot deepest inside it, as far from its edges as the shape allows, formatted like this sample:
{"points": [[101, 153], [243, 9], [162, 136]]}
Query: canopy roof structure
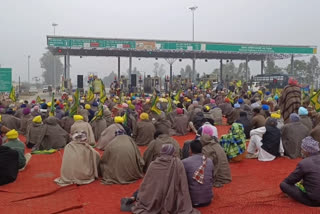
{"points": [[87, 46]]}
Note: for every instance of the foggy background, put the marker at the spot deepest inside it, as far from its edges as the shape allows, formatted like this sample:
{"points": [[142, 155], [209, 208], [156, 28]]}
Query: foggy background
{"points": [[25, 24]]}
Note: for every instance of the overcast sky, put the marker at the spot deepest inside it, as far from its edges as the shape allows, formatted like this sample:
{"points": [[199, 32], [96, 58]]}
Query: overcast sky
{"points": [[25, 24]]}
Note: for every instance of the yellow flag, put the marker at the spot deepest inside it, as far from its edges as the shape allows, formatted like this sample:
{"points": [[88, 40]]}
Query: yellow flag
{"points": [[90, 95], [239, 84], [12, 95], [315, 101], [154, 105]]}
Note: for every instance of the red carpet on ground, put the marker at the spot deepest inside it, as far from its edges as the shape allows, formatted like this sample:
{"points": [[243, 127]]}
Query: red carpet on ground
{"points": [[254, 189]]}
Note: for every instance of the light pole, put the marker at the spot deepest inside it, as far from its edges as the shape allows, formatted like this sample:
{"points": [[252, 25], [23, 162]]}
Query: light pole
{"points": [[193, 9], [29, 69], [54, 25]]}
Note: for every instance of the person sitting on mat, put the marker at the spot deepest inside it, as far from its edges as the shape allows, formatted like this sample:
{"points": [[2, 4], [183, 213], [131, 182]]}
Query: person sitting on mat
{"points": [[9, 162], [303, 184], [164, 188], [80, 161], [199, 170], [15, 144]]}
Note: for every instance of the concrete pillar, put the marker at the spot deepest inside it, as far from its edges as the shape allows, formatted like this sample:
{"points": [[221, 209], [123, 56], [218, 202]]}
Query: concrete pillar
{"points": [[171, 77], [292, 62], [130, 69], [247, 60], [118, 68], [221, 67], [262, 66], [193, 68]]}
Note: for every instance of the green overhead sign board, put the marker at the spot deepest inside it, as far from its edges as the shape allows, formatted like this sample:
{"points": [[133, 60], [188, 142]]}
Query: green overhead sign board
{"points": [[68, 42], [5, 79]]}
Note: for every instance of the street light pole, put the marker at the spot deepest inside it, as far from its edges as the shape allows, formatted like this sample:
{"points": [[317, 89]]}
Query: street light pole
{"points": [[54, 25], [29, 69], [193, 9]]}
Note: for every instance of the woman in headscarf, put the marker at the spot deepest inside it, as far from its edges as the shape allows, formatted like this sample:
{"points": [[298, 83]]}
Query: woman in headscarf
{"points": [[265, 142], [234, 143], [121, 162], [164, 188], [79, 163]]}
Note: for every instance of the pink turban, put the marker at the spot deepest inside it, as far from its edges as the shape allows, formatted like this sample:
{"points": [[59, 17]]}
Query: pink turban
{"points": [[179, 111]]}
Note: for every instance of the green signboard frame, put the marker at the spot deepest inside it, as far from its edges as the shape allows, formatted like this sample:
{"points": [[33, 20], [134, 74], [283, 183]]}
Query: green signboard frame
{"points": [[78, 42], [5, 79]]}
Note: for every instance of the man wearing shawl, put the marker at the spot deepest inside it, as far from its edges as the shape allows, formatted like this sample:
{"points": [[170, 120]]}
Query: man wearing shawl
{"points": [[110, 133], [154, 148], [234, 115], [303, 184], [290, 100], [226, 107], [98, 125], [211, 149], [304, 118], [10, 121], [81, 125], [54, 137], [25, 121], [199, 170], [292, 135], [181, 123], [163, 125], [164, 188], [243, 119], [80, 162], [145, 131], [35, 132], [234, 143], [121, 162], [66, 123]]}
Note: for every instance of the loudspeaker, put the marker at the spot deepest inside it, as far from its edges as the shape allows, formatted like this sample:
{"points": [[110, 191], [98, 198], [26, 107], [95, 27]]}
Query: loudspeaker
{"points": [[80, 81], [133, 80]]}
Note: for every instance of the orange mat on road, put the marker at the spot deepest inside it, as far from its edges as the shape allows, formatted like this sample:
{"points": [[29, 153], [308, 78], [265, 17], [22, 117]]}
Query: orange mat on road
{"points": [[254, 189]]}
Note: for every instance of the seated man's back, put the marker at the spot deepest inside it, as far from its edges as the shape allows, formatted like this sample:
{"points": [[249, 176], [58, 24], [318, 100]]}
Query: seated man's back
{"points": [[199, 174]]}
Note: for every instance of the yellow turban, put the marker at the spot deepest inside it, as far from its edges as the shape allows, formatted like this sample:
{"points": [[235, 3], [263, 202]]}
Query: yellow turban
{"points": [[144, 116], [118, 119], [260, 92], [70, 99], [49, 104], [275, 116], [87, 106], [13, 134], [0, 117], [37, 119], [249, 92], [208, 108], [77, 117], [129, 102]]}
